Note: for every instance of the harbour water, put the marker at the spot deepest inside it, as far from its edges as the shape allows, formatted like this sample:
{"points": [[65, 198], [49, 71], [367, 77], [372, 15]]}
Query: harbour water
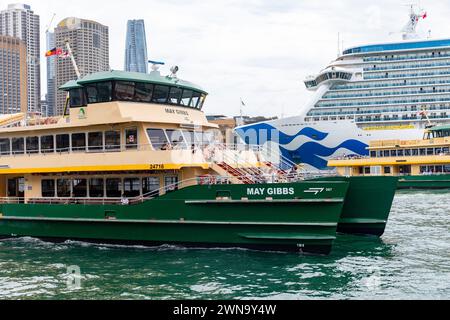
{"points": [[412, 261]]}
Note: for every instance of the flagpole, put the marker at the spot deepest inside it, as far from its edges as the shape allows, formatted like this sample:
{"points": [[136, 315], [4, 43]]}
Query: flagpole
{"points": [[69, 50]]}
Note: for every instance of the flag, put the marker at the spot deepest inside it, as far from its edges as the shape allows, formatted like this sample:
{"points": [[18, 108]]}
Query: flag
{"points": [[54, 52], [424, 16]]}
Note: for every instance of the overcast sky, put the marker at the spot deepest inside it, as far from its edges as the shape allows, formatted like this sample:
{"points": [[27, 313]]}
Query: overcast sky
{"points": [[260, 50]]}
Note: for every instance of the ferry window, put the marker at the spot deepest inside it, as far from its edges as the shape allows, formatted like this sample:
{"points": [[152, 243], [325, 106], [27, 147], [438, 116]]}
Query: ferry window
{"points": [[62, 143], [202, 101], [131, 187], [143, 92], [400, 153], [437, 151], [195, 99], [96, 188], [12, 188], [445, 150], [47, 144], [380, 154], [190, 138], [170, 184], [175, 95], [446, 168], [186, 97], [5, 147], [387, 170], [160, 94], [95, 141], [32, 145], [131, 138], [99, 92], [124, 91], [407, 152], [367, 170], [360, 170], [176, 138], [373, 154], [78, 142], [439, 169], [393, 153], [150, 186], [79, 188], [18, 145], [423, 152], [63, 188], [76, 98], [158, 139], [48, 188], [415, 152], [423, 169], [430, 151], [386, 153], [112, 140], [113, 188]]}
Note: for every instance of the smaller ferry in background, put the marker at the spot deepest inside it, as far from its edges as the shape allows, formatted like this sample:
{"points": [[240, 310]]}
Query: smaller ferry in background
{"points": [[419, 164]]}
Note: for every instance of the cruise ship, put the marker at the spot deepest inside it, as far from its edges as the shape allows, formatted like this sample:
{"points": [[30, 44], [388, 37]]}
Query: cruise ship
{"points": [[370, 92]]}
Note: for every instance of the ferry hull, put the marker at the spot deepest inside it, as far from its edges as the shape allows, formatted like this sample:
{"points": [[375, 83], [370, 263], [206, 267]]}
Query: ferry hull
{"points": [[367, 205], [425, 182], [301, 221]]}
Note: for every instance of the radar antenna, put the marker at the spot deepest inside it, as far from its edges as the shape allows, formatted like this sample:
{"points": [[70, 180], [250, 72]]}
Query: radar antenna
{"points": [[409, 31]]}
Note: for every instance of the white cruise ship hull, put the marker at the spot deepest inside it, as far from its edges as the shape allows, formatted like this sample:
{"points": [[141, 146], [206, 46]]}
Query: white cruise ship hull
{"points": [[314, 143]]}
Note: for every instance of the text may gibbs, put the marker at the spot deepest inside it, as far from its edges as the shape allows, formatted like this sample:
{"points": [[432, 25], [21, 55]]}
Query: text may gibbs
{"points": [[270, 191]]}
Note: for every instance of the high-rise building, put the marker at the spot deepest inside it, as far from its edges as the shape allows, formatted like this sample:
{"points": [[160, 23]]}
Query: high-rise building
{"points": [[89, 41], [13, 75], [19, 21], [51, 76], [136, 58]]}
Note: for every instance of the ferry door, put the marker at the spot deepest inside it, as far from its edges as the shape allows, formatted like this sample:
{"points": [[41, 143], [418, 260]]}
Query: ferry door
{"points": [[16, 188]]}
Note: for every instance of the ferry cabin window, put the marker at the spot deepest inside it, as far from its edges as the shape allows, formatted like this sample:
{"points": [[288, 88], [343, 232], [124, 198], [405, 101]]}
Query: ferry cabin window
{"points": [[415, 152], [430, 151], [190, 138], [143, 92], [112, 140], [78, 142], [387, 170], [32, 145], [77, 98], [170, 184], [47, 144], [195, 99], [96, 188], [79, 188], [150, 186], [160, 94], [48, 188], [63, 188], [99, 92], [95, 141], [202, 101], [18, 145], [373, 154], [158, 139], [131, 138], [400, 153], [62, 143], [175, 95], [113, 188], [176, 139], [423, 152], [186, 97], [125, 91], [131, 187], [5, 147]]}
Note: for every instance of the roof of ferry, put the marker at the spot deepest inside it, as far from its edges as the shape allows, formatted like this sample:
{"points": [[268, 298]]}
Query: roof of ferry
{"points": [[441, 128], [406, 45], [153, 77]]}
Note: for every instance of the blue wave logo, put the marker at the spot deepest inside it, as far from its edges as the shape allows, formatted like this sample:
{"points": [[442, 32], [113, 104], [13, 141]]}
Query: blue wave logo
{"points": [[311, 153], [264, 132]]}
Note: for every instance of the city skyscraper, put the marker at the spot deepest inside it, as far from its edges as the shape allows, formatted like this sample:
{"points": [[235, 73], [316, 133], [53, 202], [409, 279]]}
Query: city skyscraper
{"points": [[19, 21], [89, 41], [136, 57], [13, 75], [51, 76]]}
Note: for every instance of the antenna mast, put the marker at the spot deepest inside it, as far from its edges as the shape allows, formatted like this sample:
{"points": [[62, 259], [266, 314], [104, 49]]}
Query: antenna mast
{"points": [[409, 31]]}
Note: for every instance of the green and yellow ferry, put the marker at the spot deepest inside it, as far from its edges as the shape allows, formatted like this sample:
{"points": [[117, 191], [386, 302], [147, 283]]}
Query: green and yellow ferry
{"points": [[134, 161], [419, 164]]}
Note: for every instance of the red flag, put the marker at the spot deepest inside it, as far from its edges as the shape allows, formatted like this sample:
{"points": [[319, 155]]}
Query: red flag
{"points": [[424, 16]]}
